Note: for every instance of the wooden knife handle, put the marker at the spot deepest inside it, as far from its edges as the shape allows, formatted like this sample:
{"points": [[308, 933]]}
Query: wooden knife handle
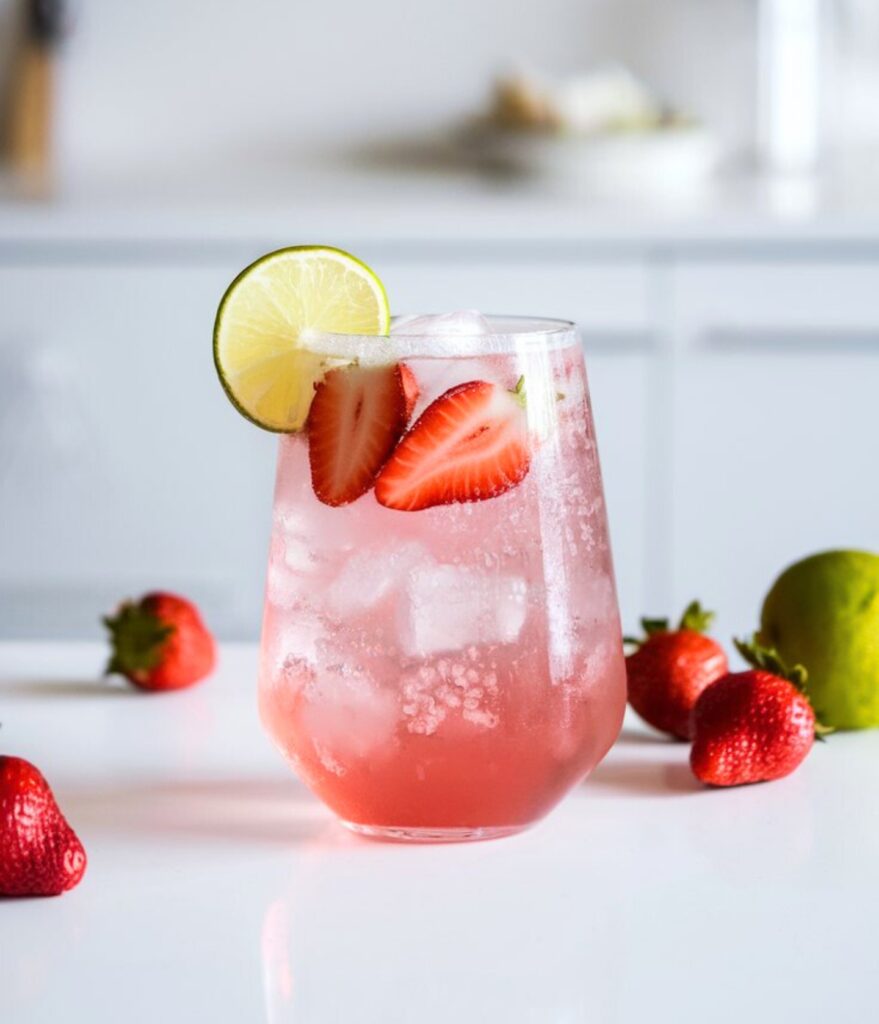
{"points": [[30, 124]]}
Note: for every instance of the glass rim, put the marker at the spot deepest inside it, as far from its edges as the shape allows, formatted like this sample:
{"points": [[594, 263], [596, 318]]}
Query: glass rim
{"points": [[509, 334]]}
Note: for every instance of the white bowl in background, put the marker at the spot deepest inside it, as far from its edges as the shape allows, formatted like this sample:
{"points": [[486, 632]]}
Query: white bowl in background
{"points": [[663, 162]]}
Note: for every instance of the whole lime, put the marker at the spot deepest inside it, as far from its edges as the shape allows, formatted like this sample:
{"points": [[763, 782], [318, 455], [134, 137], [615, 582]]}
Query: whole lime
{"points": [[823, 612]]}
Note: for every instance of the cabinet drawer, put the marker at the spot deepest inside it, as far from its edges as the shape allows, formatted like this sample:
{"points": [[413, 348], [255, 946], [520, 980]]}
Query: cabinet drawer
{"points": [[774, 426], [777, 306], [124, 467]]}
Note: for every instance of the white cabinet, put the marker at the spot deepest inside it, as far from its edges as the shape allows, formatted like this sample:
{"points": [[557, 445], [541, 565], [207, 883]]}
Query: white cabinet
{"points": [[123, 466], [600, 296], [776, 424]]}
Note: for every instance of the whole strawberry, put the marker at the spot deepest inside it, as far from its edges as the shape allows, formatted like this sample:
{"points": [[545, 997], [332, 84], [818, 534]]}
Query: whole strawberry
{"points": [[671, 667], [753, 726], [40, 854], [160, 643]]}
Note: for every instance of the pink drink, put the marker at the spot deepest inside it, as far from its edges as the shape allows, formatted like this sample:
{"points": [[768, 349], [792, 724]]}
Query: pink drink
{"points": [[450, 673]]}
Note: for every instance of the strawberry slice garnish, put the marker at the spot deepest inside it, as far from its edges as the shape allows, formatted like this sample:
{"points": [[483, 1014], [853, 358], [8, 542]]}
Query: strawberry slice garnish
{"points": [[410, 388], [471, 444], [356, 418]]}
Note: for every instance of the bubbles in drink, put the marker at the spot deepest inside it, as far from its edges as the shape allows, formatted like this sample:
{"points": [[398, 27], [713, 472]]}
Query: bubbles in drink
{"points": [[440, 689]]}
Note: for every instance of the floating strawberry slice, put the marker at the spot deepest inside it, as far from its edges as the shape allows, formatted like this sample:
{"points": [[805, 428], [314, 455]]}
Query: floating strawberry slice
{"points": [[469, 445], [357, 416], [410, 388]]}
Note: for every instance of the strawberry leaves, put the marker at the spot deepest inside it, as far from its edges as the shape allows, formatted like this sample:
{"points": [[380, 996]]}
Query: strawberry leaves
{"points": [[137, 637], [768, 659], [695, 618]]}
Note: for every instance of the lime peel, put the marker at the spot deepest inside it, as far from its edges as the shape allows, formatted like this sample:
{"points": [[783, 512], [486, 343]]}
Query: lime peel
{"points": [[263, 320]]}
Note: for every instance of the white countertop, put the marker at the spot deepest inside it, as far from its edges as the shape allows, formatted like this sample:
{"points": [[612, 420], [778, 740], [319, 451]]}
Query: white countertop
{"points": [[219, 890], [272, 206]]}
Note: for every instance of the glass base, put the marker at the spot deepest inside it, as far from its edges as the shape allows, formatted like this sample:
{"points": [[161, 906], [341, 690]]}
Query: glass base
{"points": [[393, 834]]}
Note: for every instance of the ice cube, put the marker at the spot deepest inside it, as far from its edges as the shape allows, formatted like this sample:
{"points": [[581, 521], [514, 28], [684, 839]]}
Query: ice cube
{"points": [[301, 634], [282, 584], [447, 608], [293, 566], [436, 376], [290, 552], [462, 322], [370, 575], [347, 715], [301, 521], [597, 600]]}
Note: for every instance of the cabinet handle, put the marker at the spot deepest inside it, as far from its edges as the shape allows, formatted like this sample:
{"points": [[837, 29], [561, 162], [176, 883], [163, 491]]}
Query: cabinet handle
{"points": [[790, 339], [622, 341]]}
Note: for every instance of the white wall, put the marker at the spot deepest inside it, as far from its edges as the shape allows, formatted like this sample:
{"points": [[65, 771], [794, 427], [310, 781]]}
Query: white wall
{"points": [[171, 82]]}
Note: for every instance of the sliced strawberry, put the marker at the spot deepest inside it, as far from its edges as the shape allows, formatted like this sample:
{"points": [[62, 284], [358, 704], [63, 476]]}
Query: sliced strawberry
{"points": [[356, 418], [410, 388], [469, 445]]}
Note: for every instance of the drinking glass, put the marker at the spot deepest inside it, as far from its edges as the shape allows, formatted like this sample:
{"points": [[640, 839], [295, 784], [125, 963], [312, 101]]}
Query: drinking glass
{"points": [[449, 673]]}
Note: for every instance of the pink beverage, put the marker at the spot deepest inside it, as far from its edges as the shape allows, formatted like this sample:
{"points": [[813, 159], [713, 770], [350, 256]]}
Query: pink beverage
{"points": [[451, 672]]}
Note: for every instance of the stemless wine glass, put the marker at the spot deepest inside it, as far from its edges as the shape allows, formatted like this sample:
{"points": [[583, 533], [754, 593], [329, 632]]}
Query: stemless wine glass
{"points": [[450, 673]]}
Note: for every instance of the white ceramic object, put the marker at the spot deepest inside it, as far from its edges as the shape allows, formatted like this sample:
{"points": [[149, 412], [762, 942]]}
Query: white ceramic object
{"points": [[668, 162]]}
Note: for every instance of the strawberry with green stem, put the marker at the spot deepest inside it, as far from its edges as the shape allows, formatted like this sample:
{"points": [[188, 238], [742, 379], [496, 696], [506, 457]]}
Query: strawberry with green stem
{"points": [[160, 642], [671, 667], [753, 726]]}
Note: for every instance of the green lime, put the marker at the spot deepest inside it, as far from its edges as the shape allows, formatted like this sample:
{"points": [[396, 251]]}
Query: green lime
{"points": [[260, 352], [823, 613]]}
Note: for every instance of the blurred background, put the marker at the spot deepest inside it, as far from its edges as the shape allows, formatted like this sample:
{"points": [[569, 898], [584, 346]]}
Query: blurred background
{"points": [[693, 181]]}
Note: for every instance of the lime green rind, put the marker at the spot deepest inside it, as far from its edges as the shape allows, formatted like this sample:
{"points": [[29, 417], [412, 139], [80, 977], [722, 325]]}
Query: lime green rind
{"points": [[823, 613], [384, 311]]}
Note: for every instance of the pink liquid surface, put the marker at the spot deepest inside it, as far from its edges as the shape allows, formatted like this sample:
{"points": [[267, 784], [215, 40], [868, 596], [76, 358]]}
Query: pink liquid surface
{"points": [[459, 668]]}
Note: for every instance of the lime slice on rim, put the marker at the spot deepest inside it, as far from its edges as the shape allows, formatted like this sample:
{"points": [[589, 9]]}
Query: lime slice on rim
{"points": [[259, 351]]}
